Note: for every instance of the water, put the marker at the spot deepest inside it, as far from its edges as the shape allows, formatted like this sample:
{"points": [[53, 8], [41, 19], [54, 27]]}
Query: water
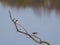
{"points": [[45, 22]]}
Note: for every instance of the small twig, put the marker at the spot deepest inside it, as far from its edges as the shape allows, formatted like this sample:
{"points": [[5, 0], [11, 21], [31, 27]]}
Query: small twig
{"points": [[26, 33], [23, 28], [36, 37], [41, 42]]}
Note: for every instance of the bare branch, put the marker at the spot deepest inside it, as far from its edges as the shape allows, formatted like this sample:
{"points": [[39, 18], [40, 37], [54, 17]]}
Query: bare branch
{"points": [[23, 28], [41, 42], [34, 38]]}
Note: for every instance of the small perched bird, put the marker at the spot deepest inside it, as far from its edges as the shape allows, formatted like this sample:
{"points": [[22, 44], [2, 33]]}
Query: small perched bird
{"points": [[34, 33], [16, 21]]}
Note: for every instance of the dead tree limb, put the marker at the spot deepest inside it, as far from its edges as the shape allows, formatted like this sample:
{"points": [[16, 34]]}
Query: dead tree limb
{"points": [[34, 38]]}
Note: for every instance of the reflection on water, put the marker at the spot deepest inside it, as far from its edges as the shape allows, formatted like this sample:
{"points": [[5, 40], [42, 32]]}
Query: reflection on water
{"points": [[37, 5], [45, 12]]}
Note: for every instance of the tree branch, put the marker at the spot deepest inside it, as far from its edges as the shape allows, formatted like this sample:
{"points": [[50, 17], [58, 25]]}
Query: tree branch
{"points": [[34, 38]]}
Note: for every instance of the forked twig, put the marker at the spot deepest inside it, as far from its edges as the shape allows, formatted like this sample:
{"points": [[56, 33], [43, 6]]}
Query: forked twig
{"points": [[34, 38]]}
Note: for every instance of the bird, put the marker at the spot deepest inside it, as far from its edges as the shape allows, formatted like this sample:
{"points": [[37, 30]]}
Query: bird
{"points": [[16, 21], [34, 33]]}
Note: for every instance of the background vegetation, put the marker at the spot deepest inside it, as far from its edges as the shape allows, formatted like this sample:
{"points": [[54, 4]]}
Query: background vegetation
{"points": [[37, 3]]}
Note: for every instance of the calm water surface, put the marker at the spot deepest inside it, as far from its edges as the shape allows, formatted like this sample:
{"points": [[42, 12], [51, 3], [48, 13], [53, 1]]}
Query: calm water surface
{"points": [[45, 22]]}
